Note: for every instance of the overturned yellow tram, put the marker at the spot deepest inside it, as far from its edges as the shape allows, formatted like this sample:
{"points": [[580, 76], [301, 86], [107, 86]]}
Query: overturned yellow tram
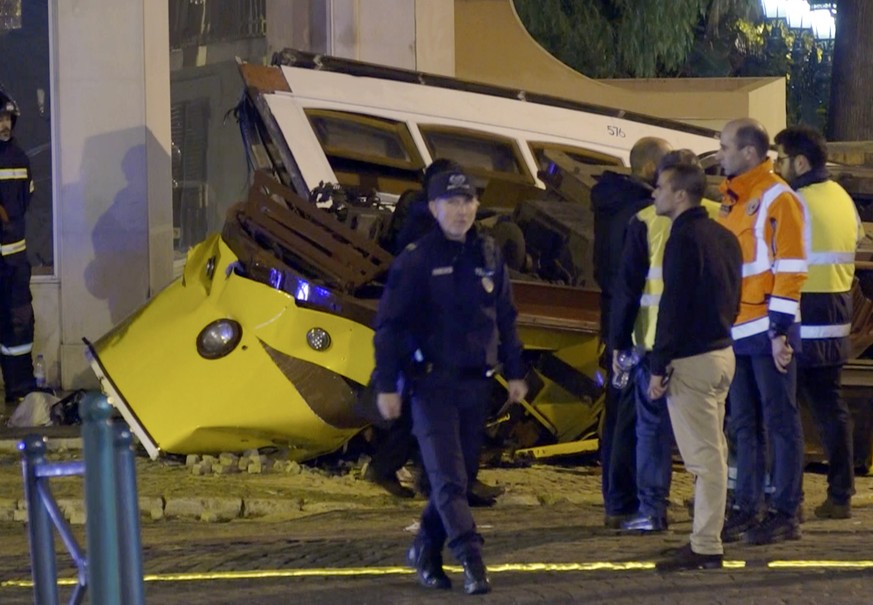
{"points": [[266, 338]]}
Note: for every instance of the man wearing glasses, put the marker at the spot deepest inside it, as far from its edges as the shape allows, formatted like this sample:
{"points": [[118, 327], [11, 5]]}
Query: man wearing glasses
{"points": [[826, 304]]}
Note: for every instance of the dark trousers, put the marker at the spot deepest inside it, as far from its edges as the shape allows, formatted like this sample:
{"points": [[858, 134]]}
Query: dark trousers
{"points": [[654, 445], [763, 405], [820, 388], [393, 445], [618, 445], [448, 419], [16, 326]]}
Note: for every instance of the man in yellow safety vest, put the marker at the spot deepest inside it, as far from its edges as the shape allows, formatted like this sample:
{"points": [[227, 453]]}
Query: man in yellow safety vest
{"points": [[638, 289], [833, 230]]}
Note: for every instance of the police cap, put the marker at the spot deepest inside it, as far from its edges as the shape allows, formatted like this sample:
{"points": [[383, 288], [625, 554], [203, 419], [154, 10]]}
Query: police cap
{"points": [[449, 183]]}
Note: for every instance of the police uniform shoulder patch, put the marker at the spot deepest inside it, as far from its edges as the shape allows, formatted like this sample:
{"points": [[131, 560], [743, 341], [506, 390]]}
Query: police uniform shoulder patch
{"points": [[752, 206]]}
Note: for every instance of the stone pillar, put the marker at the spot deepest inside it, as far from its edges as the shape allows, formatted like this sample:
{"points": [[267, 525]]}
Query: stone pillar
{"points": [[111, 139]]}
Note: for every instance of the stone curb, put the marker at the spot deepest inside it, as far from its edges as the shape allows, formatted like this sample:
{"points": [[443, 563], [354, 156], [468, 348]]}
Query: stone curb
{"points": [[54, 444], [191, 508]]}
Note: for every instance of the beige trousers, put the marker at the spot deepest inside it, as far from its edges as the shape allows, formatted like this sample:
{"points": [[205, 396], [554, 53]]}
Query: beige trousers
{"points": [[696, 399]]}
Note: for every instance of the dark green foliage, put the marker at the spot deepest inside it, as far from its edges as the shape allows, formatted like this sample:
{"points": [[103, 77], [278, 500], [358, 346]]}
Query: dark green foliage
{"points": [[615, 38], [682, 38]]}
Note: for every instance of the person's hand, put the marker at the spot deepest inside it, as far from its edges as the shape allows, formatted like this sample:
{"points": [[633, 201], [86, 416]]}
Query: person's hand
{"points": [[616, 369], [517, 390], [657, 387], [782, 353], [389, 405]]}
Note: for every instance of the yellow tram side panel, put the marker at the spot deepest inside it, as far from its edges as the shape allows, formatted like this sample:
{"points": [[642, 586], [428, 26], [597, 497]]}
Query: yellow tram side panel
{"points": [[242, 400]]}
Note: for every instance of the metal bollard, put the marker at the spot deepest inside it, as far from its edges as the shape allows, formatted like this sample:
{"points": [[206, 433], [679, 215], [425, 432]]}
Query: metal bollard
{"points": [[42, 546], [100, 489], [128, 519]]}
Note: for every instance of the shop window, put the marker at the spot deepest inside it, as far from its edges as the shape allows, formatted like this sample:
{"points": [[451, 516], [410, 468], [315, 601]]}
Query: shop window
{"points": [[189, 126]]}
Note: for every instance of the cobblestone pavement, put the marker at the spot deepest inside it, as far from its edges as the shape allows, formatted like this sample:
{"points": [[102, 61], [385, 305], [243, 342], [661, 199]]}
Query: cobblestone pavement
{"points": [[307, 536], [373, 542]]}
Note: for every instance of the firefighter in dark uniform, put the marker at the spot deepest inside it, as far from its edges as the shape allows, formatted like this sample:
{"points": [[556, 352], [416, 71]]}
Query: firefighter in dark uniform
{"points": [[447, 313], [16, 310]]}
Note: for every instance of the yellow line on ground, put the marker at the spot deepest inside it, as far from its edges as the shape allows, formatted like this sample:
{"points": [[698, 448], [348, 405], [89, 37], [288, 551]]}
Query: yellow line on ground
{"points": [[327, 572], [824, 564]]}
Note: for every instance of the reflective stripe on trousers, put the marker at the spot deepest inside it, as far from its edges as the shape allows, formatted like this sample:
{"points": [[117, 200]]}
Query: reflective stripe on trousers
{"points": [[16, 350]]}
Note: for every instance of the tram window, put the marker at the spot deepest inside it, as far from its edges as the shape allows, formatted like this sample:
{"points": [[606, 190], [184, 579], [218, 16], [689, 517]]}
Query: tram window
{"points": [[365, 138], [583, 156], [484, 155]]}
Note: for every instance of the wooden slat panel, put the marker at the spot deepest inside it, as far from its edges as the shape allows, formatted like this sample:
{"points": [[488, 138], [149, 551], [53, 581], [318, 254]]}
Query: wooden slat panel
{"points": [[343, 255], [320, 217], [333, 270], [272, 215]]}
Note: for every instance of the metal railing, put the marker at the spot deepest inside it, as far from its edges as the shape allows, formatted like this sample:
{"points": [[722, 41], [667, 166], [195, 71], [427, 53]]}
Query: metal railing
{"points": [[112, 570]]}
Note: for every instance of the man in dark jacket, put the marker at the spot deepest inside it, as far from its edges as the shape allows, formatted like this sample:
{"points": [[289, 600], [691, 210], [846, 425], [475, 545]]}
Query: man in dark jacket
{"points": [[701, 299], [393, 445], [615, 199], [448, 306], [16, 309]]}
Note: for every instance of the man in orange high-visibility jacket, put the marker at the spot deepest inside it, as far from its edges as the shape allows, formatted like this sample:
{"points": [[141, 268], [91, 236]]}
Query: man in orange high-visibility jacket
{"points": [[768, 219]]}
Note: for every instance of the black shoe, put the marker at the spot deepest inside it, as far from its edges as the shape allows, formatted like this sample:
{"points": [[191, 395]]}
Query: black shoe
{"points": [[428, 564], [475, 576], [479, 501], [736, 524], [615, 521], [645, 524], [832, 510], [483, 490], [775, 527], [686, 559], [389, 484]]}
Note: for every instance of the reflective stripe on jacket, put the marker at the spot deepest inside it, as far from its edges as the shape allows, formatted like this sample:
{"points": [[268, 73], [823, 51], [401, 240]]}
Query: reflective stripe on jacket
{"points": [[834, 231], [768, 219], [657, 233]]}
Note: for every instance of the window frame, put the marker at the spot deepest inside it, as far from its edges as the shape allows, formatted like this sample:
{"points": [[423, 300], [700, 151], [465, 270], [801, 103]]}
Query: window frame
{"points": [[606, 159], [524, 175], [395, 127]]}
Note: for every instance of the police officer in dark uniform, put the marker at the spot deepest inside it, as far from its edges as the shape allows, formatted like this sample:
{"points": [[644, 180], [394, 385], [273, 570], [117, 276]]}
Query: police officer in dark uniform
{"points": [[16, 309], [394, 444], [448, 307]]}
